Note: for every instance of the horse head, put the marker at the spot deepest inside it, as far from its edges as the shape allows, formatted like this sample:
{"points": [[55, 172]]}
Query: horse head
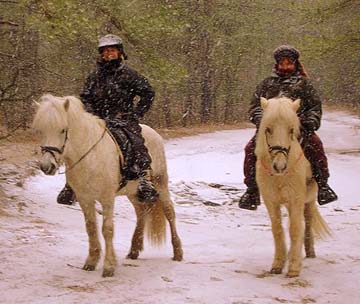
{"points": [[278, 130], [50, 122]]}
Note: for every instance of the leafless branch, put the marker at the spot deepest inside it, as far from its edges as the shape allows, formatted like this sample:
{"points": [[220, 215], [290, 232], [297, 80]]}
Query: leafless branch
{"points": [[2, 22], [9, 1], [6, 55]]}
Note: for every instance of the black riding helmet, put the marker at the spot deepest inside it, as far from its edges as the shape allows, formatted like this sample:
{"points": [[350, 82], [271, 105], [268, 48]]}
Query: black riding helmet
{"points": [[112, 40]]}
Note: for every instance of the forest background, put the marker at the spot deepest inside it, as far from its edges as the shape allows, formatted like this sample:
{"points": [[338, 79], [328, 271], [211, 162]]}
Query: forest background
{"points": [[204, 57]]}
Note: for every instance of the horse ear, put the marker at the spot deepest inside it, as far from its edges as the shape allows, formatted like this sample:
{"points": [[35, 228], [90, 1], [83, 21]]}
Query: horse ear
{"points": [[37, 104], [296, 104], [67, 104], [264, 102]]}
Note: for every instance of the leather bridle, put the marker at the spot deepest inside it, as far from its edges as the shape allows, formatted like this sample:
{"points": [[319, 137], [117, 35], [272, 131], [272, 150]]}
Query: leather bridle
{"points": [[279, 149], [52, 150]]}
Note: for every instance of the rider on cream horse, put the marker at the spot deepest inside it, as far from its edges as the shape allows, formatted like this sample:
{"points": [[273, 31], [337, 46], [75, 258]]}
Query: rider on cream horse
{"points": [[71, 135]]}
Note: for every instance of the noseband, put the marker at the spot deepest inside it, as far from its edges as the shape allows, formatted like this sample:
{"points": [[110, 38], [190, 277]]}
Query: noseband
{"points": [[279, 149], [52, 149]]}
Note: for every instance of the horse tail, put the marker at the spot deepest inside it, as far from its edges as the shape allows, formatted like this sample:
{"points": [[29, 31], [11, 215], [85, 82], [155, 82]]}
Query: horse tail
{"points": [[320, 228], [155, 224]]}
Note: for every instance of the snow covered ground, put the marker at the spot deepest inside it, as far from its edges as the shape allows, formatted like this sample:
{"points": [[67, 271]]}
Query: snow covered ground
{"points": [[227, 251]]}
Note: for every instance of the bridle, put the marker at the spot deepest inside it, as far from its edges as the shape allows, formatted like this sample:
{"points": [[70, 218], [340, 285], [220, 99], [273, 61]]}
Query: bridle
{"points": [[52, 149], [279, 149]]}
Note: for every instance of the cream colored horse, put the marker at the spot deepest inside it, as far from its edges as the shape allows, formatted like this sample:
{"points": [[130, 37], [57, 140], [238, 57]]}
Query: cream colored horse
{"points": [[73, 136], [284, 177]]}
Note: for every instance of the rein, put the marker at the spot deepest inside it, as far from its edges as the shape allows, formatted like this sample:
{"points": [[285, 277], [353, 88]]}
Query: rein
{"points": [[51, 150], [86, 153]]}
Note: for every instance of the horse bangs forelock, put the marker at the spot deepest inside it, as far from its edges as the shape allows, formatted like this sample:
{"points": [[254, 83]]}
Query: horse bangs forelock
{"points": [[50, 113], [280, 110]]}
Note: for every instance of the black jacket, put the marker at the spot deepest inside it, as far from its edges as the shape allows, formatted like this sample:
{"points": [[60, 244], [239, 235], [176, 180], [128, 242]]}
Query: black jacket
{"points": [[111, 89], [294, 87]]}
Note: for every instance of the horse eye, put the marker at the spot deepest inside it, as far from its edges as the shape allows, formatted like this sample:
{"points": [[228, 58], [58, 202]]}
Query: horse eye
{"points": [[62, 131], [292, 131]]}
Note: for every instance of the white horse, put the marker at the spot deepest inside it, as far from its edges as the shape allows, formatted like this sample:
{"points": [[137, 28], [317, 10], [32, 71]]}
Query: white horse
{"points": [[284, 176], [71, 135]]}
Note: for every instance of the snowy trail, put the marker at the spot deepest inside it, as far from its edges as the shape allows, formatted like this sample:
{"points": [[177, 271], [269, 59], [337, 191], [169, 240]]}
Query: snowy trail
{"points": [[227, 250]]}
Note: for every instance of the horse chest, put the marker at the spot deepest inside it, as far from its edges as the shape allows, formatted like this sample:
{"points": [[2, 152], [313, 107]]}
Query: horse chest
{"points": [[278, 188]]}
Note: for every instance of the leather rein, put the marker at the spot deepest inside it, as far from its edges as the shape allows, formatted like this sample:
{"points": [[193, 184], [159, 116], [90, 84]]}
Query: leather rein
{"points": [[52, 150]]}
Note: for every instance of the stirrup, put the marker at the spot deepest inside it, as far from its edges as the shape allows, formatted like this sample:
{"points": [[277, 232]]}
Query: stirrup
{"points": [[250, 199]]}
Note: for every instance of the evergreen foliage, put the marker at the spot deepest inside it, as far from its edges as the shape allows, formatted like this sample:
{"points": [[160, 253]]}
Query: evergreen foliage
{"points": [[204, 57]]}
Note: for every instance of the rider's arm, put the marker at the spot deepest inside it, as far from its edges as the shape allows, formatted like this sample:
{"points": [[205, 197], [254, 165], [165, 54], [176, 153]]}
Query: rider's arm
{"points": [[87, 94], [310, 116], [255, 110], [144, 90]]}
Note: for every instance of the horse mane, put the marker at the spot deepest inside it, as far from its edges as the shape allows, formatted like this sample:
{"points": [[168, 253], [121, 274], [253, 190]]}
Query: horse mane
{"points": [[52, 113], [278, 110]]}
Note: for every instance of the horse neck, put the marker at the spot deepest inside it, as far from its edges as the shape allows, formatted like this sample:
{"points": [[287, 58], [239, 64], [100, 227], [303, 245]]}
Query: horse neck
{"points": [[84, 131]]}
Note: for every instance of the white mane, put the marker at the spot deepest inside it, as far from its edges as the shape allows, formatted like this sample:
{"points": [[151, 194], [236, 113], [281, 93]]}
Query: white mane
{"points": [[54, 112]]}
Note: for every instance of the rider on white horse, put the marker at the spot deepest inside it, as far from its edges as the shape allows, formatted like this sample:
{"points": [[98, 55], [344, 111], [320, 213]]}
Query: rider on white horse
{"points": [[109, 93], [289, 79]]}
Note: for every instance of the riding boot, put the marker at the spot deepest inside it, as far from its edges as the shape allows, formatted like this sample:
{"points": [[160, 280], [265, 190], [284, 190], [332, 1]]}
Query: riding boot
{"points": [[146, 191], [251, 198], [315, 153], [66, 196], [325, 193]]}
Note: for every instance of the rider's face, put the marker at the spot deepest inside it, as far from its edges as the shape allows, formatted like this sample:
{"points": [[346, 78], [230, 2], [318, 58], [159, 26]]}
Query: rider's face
{"points": [[110, 53], [286, 67]]}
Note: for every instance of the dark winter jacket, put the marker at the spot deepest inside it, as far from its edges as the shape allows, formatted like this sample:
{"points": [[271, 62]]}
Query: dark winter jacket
{"points": [[111, 89], [294, 87]]}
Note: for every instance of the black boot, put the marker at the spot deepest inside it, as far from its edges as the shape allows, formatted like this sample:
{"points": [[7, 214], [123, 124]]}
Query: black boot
{"points": [[146, 191], [250, 199], [66, 196], [326, 194]]}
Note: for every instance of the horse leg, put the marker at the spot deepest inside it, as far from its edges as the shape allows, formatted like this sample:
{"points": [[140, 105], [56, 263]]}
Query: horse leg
{"points": [[169, 212], [91, 228], [108, 233], [309, 237], [279, 238], [296, 211], [137, 242]]}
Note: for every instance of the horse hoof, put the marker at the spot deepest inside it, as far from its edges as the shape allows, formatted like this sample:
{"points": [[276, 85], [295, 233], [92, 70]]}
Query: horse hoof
{"points": [[108, 273], [88, 267], [276, 270], [177, 257], [292, 274], [311, 255], [132, 255]]}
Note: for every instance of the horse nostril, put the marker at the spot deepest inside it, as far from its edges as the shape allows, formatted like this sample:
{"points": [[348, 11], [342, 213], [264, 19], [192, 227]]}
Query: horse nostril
{"points": [[48, 169], [42, 168]]}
